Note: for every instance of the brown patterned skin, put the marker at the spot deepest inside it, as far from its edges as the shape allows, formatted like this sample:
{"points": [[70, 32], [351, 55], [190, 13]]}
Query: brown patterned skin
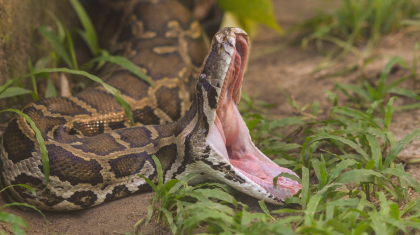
{"points": [[90, 160]]}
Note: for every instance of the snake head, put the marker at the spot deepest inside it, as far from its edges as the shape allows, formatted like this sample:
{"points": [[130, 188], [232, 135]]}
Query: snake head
{"points": [[229, 154]]}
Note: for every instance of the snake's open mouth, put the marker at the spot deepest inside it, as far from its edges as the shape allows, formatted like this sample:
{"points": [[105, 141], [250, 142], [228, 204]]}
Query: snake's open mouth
{"points": [[230, 136]]}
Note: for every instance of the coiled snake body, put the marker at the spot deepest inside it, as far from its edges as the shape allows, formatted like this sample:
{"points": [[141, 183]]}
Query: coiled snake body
{"points": [[190, 125]]}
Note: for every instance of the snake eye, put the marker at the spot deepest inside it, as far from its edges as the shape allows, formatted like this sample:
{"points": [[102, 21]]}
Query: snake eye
{"points": [[202, 77]]}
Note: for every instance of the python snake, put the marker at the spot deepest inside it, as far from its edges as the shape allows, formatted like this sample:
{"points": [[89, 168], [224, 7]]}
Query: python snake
{"points": [[188, 119]]}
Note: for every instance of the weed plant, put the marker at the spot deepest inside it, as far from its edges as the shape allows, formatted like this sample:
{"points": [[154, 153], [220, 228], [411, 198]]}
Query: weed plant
{"points": [[63, 52], [364, 93], [358, 187], [351, 183], [357, 22]]}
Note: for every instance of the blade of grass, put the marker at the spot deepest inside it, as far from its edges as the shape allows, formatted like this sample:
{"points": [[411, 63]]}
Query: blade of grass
{"points": [[121, 101], [20, 185], [305, 187], [388, 113], [384, 74], [13, 219], [317, 137], [399, 146], [35, 96], [55, 42], [71, 49], [375, 150], [51, 91], [14, 91], [125, 63], [41, 143], [89, 33]]}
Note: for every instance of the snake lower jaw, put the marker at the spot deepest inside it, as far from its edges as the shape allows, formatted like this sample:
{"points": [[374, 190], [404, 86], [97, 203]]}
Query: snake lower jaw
{"points": [[235, 147], [230, 139]]}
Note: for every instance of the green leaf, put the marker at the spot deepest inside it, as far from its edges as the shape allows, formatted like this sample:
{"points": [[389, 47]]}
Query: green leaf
{"points": [[121, 101], [71, 49], [317, 137], [377, 224], [333, 97], [324, 173], [394, 211], [89, 33], [55, 42], [25, 205], [356, 89], [285, 122], [60, 26], [384, 74], [33, 80], [404, 175], [264, 209], [358, 115], [13, 219], [219, 194], [357, 176], [403, 184], [192, 221], [125, 63], [260, 11], [41, 143], [338, 226], [407, 107], [339, 168], [411, 206], [51, 91], [311, 209], [388, 113], [373, 106], [20, 185], [404, 92], [17, 230], [370, 165], [169, 219], [181, 182], [316, 165], [305, 187], [41, 63], [159, 170], [14, 91], [399, 146], [6, 85], [375, 150]]}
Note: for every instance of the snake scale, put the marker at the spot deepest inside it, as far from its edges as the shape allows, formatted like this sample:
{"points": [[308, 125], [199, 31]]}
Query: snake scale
{"points": [[188, 119]]}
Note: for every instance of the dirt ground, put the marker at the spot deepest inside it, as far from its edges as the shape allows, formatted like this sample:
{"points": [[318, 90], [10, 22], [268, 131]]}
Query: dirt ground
{"points": [[274, 63]]}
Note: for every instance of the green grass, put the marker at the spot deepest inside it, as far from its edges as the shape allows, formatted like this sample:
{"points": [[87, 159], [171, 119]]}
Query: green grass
{"points": [[17, 222], [364, 93], [355, 23], [351, 182], [63, 53], [358, 187]]}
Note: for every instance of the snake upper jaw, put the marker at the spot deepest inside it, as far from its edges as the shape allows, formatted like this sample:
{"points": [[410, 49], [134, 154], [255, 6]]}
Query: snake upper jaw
{"points": [[238, 162]]}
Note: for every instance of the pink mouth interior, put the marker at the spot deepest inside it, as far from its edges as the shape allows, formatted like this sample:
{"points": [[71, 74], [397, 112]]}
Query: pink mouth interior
{"points": [[231, 137]]}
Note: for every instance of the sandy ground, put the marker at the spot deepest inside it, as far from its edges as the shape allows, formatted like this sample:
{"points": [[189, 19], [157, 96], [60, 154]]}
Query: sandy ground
{"points": [[272, 64]]}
